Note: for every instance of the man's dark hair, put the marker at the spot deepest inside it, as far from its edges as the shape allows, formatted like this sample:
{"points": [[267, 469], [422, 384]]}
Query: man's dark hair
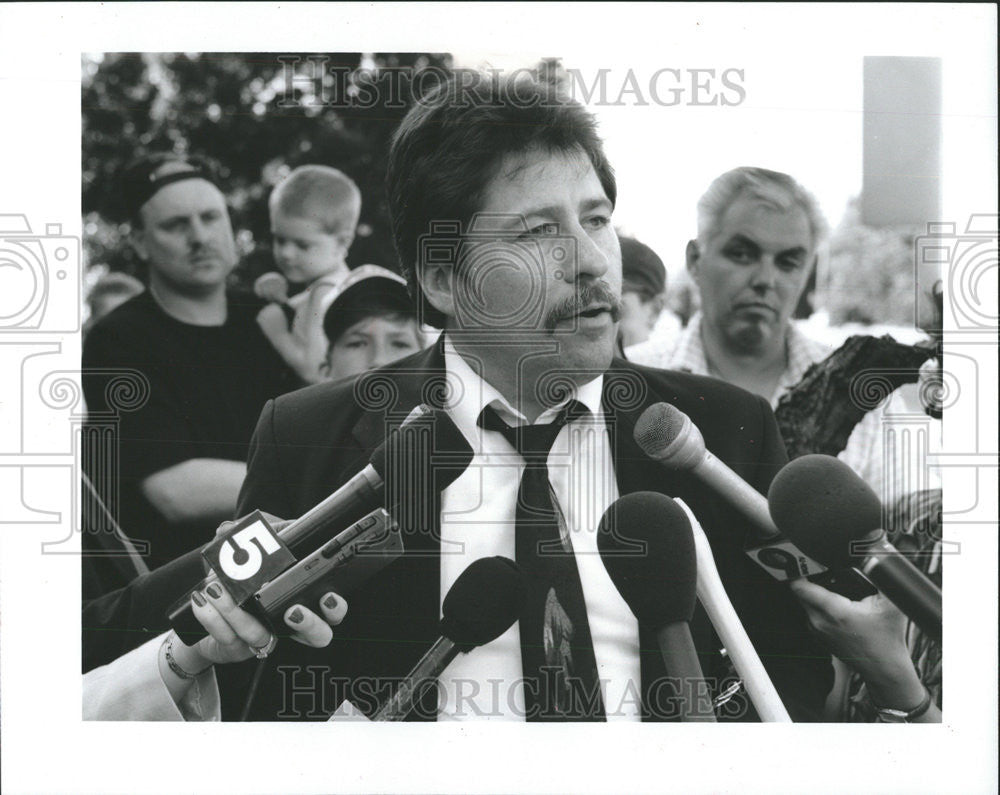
{"points": [[450, 145]]}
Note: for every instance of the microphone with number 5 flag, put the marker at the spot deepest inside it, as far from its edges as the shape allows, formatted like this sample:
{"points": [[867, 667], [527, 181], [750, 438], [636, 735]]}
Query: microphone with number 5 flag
{"points": [[250, 554]]}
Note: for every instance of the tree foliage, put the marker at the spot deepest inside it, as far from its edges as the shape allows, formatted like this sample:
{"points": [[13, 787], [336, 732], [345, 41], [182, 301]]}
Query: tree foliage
{"points": [[869, 278], [259, 115]]}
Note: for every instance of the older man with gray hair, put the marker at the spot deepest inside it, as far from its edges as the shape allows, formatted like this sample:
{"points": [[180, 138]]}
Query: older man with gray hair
{"points": [[758, 235]]}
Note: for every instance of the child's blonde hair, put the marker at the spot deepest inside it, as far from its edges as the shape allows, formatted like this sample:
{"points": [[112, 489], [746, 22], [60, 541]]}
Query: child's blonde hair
{"points": [[321, 193]]}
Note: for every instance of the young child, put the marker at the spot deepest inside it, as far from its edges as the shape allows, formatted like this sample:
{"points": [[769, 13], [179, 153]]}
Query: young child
{"points": [[314, 213], [371, 322]]}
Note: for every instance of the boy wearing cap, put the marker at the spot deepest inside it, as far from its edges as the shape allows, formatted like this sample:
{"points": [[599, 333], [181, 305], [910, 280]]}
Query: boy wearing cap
{"points": [[314, 213], [370, 323]]}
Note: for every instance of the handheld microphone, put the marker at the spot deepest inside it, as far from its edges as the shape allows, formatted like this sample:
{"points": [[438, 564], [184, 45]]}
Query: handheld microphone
{"points": [[482, 604], [659, 585], [667, 434], [410, 458], [272, 287], [832, 514]]}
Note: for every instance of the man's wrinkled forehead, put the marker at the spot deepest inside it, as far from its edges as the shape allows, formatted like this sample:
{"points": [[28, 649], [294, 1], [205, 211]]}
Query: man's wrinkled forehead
{"points": [[764, 224]]}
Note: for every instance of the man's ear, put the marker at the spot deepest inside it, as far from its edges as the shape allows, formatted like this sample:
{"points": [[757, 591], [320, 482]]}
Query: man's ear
{"points": [[137, 239], [437, 282], [691, 255]]}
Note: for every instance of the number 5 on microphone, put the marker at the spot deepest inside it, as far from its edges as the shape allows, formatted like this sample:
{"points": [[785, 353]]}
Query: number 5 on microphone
{"points": [[247, 556]]}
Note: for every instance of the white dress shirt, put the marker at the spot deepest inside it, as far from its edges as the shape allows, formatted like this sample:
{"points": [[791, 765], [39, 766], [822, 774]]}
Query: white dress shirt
{"points": [[478, 520]]}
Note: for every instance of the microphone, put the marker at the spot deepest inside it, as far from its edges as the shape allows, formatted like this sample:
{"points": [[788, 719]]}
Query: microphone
{"points": [[832, 514], [482, 604], [426, 452], [272, 287], [667, 434], [659, 584]]}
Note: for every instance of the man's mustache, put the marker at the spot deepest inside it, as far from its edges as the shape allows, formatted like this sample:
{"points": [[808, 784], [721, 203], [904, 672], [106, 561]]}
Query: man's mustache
{"points": [[588, 295]]}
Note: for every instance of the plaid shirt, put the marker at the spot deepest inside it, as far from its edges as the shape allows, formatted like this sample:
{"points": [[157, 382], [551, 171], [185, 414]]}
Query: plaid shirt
{"points": [[687, 353], [864, 451]]}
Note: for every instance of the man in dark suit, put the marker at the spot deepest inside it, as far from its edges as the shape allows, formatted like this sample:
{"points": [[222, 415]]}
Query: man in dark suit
{"points": [[501, 200], [526, 283]]}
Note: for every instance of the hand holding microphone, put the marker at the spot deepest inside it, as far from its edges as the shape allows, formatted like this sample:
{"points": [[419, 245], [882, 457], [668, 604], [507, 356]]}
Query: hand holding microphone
{"points": [[870, 637], [234, 635], [427, 452], [833, 515]]}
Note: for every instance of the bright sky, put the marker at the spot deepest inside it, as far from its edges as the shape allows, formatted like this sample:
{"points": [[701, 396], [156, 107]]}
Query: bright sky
{"points": [[801, 113]]}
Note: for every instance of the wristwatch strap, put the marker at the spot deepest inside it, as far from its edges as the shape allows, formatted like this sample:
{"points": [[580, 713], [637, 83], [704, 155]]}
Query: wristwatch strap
{"points": [[887, 715]]}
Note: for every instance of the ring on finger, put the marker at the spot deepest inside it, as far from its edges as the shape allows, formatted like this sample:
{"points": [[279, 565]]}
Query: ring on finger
{"points": [[260, 652]]}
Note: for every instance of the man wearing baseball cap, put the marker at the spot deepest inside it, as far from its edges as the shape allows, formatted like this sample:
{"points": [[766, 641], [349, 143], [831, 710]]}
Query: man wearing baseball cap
{"points": [[195, 353], [644, 286]]}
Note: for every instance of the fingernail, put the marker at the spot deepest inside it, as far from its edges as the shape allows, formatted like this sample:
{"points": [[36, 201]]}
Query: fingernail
{"points": [[295, 616], [214, 591], [198, 599], [331, 601]]}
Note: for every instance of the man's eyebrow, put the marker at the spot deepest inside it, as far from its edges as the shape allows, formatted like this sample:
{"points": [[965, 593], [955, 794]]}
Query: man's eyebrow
{"points": [[596, 201], [556, 209], [175, 218], [742, 239]]}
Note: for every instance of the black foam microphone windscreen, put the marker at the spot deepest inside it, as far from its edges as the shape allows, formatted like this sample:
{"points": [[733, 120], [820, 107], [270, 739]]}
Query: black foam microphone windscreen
{"points": [[658, 580], [822, 505], [483, 603]]}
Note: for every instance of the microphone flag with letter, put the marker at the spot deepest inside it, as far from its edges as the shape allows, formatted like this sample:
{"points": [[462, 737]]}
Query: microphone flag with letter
{"points": [[407, 460]]}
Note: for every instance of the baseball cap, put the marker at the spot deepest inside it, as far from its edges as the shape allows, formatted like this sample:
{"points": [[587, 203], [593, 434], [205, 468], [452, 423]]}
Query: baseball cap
{"points": [[140, 181], [367, 290], [642, 269]]}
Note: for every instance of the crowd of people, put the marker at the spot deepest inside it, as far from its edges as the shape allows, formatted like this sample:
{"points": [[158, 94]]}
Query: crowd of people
{"points": [[253, 405]]}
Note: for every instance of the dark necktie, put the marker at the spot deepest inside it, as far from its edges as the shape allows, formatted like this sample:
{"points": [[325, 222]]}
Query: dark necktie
{"points": [[557, 653]]}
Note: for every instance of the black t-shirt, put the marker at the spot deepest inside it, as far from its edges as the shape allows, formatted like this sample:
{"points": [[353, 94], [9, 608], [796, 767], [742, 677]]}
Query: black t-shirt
{"points": [[206, 388]]}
